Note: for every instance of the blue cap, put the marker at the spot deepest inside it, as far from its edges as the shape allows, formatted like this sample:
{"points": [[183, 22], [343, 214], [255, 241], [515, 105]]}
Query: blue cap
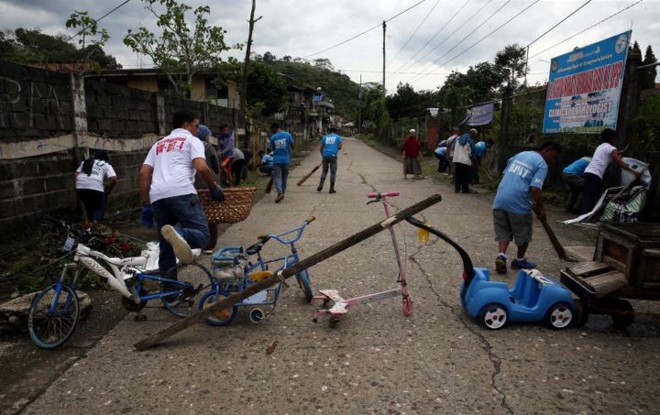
{"points": [[203, 132]]}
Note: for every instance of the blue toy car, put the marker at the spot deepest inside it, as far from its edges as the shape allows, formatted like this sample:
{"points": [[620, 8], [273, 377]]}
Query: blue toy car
{"points": [[534, 298]]}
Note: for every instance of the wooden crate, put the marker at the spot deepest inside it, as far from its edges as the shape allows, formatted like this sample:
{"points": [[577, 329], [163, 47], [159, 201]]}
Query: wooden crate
{"points": [[593, 280], [632, 250]]}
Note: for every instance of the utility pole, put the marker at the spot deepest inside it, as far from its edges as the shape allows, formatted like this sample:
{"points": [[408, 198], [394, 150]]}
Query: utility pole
{"points": [[246, 71], [384, 29], [360, 106]]}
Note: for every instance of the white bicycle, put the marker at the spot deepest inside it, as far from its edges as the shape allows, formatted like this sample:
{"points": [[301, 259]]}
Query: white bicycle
{"points": [[55, 311]]}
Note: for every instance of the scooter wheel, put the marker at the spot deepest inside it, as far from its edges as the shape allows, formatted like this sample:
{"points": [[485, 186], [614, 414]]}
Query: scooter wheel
{"points": [[407, 306], [333, 321], [494, 316]]}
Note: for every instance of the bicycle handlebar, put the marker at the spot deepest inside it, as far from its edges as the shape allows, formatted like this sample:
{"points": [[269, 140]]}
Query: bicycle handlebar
{"points": [[382, 194], [279, 237]]}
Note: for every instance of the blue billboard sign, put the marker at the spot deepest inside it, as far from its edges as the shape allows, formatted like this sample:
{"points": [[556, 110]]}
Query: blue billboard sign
{"points": [[585, 86]]}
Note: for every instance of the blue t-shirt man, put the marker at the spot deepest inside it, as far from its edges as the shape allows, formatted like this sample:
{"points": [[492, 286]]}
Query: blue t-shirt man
{"points": [[267, 160], [577, 167], [479, 150], [281, 143], [330, 143], [524, 170]]}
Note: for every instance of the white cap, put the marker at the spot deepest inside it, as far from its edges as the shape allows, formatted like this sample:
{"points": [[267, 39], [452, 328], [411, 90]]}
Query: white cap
{"points": [[412, 131]]}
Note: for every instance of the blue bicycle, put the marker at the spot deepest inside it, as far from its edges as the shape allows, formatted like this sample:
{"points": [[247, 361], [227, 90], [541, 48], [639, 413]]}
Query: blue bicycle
{"points": [[234, 272], [55, 311]]}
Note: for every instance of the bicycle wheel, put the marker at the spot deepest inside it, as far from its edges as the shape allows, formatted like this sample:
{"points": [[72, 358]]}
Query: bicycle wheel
{"points": [[181, 297], [222, 317], [303, 282], [50, 328]]}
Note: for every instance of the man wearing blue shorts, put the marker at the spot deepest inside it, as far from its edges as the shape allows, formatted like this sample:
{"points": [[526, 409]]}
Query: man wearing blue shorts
{"points": [[330, 146], [512, 210]]}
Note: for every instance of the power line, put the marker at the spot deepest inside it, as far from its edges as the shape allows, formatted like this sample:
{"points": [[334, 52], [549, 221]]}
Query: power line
{"points": [[464, 38], [442, 27], [99, 19], [588, 28], [489, 34], [366, 31], [416, 29], [111, 11], [560, 22]]}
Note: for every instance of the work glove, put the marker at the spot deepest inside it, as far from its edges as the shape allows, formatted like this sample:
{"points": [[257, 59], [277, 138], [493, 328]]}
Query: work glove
{"points": [[217, 194], [147, 216]]}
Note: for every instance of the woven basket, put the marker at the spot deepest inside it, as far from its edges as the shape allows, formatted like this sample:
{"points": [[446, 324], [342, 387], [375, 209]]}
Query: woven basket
{"points": [[235, 208]]}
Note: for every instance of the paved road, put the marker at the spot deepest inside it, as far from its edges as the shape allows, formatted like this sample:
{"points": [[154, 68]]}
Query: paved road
{"points": [[376, 360]]}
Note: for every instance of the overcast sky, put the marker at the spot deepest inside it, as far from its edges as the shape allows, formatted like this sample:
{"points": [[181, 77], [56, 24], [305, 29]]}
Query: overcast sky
{"points": [[450, 29]]}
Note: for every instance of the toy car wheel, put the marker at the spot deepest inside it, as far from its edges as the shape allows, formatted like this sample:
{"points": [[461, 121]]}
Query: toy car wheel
{"points": [[494, 316], [581, 314], [559, 316], [624, 316]]}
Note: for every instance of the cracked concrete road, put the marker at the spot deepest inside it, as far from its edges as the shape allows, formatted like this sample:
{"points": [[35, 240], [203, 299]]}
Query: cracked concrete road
{"points": [[376, 361]]}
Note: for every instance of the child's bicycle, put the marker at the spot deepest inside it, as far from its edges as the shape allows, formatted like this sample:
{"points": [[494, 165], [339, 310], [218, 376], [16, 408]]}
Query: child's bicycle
{"points": [[55, 311], [233, 272], [340, 305]]}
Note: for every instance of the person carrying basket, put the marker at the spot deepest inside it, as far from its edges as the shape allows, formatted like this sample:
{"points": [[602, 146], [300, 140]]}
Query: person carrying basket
{"points": [[168, 192]]}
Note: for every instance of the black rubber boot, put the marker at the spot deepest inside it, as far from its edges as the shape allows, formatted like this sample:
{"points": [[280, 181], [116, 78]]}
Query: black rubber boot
{"points": [[318, 189], [332, 188]]}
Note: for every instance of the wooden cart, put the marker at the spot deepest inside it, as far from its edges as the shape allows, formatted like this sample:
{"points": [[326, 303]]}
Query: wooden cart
{"points": [[626, 265]]}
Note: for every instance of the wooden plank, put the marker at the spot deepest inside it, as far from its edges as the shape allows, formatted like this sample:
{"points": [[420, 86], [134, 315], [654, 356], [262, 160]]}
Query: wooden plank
{"points": [[604, 284], [288, 272], [584, 269]]}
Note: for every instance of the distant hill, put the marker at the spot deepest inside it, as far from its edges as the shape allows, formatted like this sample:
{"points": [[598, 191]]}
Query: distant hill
{"points": [[336, 86]]}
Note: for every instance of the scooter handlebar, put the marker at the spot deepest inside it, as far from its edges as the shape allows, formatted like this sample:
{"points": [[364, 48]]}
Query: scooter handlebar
{"points": [[382, 194]]}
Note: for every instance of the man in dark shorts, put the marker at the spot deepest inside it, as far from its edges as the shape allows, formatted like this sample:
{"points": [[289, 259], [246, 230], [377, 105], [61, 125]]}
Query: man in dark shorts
{"points": [[512, 210]]}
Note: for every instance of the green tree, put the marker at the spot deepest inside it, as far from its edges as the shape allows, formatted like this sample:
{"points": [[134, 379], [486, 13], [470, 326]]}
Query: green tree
{"points": [[648, 121], [510, 62], [180, 52], [649, 74], [25, 46], [375, 110], [408, 103], [267, 91]]}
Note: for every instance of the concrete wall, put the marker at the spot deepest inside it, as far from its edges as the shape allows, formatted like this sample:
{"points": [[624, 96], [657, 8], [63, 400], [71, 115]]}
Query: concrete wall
{"points": [[50, 122]]}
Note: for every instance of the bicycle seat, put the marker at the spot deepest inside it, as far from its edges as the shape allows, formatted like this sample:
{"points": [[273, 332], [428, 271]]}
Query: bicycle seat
{"points": [[256, 247]]}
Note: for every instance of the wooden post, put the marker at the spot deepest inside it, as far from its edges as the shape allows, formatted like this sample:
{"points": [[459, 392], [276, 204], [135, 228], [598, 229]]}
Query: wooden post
{"points": [[288, 272], [502, 152], [246, 72]]}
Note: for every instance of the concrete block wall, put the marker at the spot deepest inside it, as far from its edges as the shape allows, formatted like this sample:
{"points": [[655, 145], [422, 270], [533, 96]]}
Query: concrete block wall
{"points": [[34, 103], [42, 140], [116, 111]]}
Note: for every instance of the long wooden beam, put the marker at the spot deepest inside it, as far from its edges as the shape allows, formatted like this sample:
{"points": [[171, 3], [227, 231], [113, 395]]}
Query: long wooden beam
{"points": [[288, 272]]}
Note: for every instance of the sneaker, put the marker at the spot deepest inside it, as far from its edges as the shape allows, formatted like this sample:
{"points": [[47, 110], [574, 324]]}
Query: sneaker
{"points": [[279, 198], [500, 264], [181, 248], [523, 263]]}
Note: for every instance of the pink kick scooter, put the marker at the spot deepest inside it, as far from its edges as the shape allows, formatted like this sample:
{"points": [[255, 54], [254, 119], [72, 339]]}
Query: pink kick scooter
{"points": [[340, 305]]}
